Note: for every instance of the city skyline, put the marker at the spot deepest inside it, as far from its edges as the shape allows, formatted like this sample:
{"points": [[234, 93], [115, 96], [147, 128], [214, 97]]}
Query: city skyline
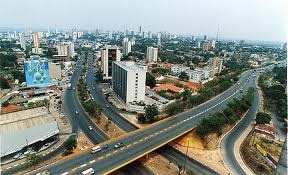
{"points": [[249, 20]]}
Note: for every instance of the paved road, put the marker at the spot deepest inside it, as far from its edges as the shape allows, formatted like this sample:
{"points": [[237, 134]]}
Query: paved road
{"points": [[228, 142], [142, 141], [126, 126]]}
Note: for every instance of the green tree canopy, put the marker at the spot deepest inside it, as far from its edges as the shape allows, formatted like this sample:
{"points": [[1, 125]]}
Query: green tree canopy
{"points": [[184, 76], [150, 80], [174, 108], [70, 144], [262, 118], [150, 112], [33, 159]]}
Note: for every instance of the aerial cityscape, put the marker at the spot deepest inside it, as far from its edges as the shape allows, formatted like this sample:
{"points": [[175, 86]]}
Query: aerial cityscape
{"points": [[143, 88]]}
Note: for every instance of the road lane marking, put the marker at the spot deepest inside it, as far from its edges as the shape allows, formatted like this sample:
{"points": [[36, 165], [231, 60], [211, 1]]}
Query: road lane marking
{"points": [[141, 140], [122, 149], [64, 173], [115, 151], [109, 154], [135, 142], [128, 145], [92, 161], [74, 169], [99, 158], [15, 165], [83, 165], [8, 167]]}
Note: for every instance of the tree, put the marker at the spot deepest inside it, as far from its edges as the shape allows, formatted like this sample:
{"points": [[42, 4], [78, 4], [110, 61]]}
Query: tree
{"points": [[174, 108], [141, 118], [262, 118], [151, 111], [184, 76], [18, 75], [33, 159], [150, 80], [4, 83], [70, 144], [5, 103], [186, 94]]}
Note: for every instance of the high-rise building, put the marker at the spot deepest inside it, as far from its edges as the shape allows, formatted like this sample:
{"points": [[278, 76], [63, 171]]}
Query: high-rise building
{"points": [[109, 54], [36, 40], [126, 46], [74, 36], [22, 41], [140, 31], [128, 81], [205, 37], [152, 54], [284, 46], [216, 65], [37, 72], [66, 49]]}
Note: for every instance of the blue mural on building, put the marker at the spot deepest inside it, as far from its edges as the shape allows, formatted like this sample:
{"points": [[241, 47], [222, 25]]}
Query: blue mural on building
{"points": [[37, 72]]}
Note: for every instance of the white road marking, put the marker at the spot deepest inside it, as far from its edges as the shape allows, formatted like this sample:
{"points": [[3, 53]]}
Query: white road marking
{"points": [[8, 167], [83, 165], [64, 173], [92, 161]]}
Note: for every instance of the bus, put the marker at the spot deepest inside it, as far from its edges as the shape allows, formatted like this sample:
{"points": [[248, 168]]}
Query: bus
{"points": [[95, 149], [88, 171]]}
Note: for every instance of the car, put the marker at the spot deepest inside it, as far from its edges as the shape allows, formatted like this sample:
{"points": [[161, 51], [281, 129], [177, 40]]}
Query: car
{"points": [[90, 127], [74, 88], [107, 105], [105, 146], [93, 88], [118, 145], [76, 112]]}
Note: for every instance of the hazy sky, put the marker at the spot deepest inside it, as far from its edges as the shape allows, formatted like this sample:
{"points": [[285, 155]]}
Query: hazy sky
{"points": [[240, 19]]}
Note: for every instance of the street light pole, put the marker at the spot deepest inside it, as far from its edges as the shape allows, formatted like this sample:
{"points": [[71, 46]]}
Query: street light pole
{"points": [[184, 167]]}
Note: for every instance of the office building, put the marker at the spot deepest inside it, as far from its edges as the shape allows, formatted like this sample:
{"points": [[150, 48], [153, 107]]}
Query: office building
{"points": [[152, 54], [109, 54], [22, 41], [128, 81], [37, 50], [126, 46], [74, 36], [37, 72], [36, 40], [216, 65], [66, 49]]}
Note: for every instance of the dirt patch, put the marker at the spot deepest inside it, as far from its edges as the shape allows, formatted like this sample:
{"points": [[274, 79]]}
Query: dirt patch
{"points": [[108, 127], [159, 165], [192, 140], [11, 108]]}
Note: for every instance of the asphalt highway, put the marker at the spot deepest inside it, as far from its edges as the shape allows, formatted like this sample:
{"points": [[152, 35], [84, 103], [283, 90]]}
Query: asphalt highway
{"points": [[142, 141], [228, 142]]}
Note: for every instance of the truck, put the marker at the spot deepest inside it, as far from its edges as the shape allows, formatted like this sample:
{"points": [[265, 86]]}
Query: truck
{"points": [[69, 86]]}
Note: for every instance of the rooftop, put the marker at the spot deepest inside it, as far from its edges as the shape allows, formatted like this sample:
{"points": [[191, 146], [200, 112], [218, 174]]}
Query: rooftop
{"points": [[129, 66]]}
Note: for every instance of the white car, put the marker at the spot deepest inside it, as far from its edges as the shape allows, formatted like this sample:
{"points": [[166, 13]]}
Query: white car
{"points": [[76, 112], [90, 127]]}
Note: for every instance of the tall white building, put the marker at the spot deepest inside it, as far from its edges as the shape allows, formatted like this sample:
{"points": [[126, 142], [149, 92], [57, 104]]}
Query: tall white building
{"points": [[66, 48], [216, 65], [126, 46], [128, 81], [74, 36], [22, 41], [152, 54], [36, 40], [109, 54]]}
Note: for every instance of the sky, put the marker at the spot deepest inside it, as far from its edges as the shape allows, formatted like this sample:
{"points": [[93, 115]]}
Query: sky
{"points": [[264, 20]]}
